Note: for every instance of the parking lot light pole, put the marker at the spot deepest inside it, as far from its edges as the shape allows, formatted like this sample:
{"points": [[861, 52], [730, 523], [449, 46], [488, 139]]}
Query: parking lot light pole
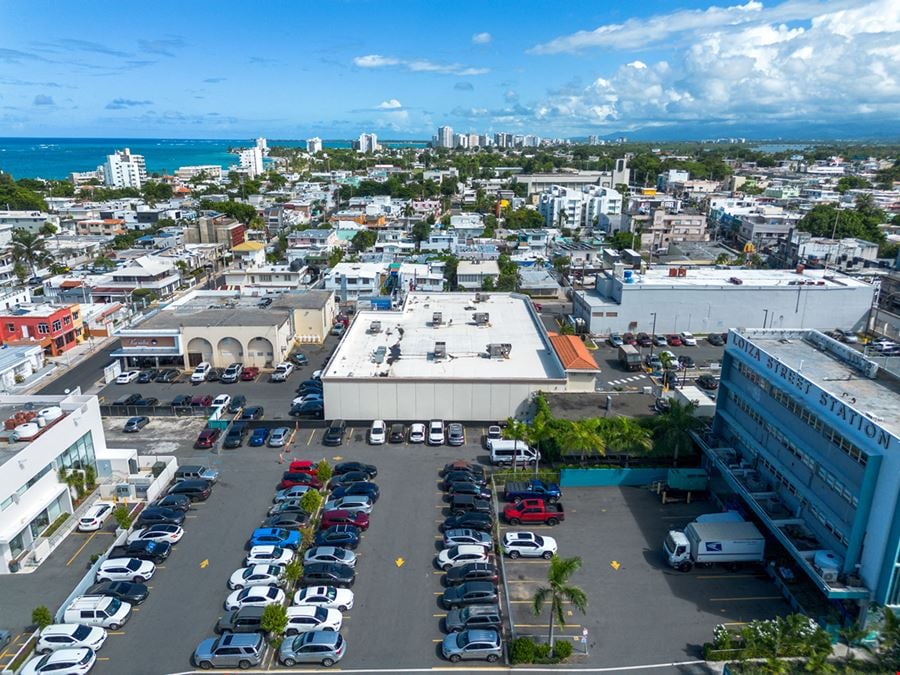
{"points": [[653, 334]]}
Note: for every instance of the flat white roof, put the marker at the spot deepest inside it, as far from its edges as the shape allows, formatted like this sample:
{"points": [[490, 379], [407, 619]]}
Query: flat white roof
{"points": [[408, 339], [712, 276]]}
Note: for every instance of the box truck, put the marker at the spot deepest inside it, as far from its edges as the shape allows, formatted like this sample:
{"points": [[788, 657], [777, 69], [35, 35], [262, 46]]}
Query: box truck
{"points": [[629, 357], [712, 543]]}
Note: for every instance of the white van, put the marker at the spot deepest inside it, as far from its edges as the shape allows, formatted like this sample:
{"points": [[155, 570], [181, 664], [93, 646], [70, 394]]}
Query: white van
{"points": [[504, 452], [200, 372], [98, 610]]}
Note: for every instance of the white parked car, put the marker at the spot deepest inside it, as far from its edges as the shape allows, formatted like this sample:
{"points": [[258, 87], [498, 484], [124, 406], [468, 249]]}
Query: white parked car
{"points": [[462, 536], [168, 532], [127, 377], [221, 401], [305, 618], [417, 432], [378, 433], [94, 518], [62, 662], [256, 596], [293, 492], [282, 372], [256, 575], [461, 555], [70, 636], [266, 554], [126, 569], [328, 597], [688, 339], [200, 372], [528, 545], [350, 503], [329, 554], [436, 432]]}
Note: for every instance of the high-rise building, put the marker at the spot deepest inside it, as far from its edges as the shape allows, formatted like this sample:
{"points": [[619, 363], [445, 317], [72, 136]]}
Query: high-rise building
{"points": [[250, 161], [473, 141], [445, 137], [123, 170], [367, 143], [485, 141], [263, 146], [460, 141], [313, 145], [593, 140]]}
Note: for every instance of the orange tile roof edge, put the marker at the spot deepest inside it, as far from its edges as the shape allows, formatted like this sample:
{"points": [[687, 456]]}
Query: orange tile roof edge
{"points": [[572, 352]]}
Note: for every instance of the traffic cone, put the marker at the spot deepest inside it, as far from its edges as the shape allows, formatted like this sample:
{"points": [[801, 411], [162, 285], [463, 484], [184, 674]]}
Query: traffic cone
{"points": [[280, 458]]}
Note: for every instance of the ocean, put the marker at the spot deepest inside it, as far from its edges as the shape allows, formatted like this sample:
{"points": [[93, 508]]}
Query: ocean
{"points": [[58, 157]]}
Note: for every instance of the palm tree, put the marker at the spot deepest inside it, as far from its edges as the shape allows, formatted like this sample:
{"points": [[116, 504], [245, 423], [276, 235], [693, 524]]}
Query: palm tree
{"points": [[674, 427], [626, 435], [29, 248], [583, 436], [559, 591]]}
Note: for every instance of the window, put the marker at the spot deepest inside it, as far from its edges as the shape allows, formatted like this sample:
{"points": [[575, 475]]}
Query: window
{"points": [[11, 327], [43, 328], [57, 325], [67, 320]]}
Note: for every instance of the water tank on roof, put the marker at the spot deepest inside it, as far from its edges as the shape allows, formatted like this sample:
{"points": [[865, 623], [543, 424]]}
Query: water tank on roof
{"points": [[629, 277], [25, 431], [50, 414]]}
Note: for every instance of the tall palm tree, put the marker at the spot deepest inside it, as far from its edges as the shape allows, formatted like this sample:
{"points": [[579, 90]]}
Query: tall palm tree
{"points": [[583, 436], [29, 248], [674, 427], [558, 591], [625, 434]]}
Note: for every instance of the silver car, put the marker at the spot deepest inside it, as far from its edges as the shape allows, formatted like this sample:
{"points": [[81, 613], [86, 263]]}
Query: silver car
{"points": [[472, 644], [318, 646], [279, 437], [456, 434]]}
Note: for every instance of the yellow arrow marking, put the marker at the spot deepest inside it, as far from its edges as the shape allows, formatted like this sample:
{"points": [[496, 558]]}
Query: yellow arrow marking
{"points": [[399, 562], [204, 564], [615, 564], [337, 458]]}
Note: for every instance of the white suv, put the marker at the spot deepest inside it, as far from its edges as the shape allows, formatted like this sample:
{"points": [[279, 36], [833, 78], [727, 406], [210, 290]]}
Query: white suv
{"points": [[126, 569], [528, 545], [98, 610], [378, 433], [461, 555], [200, 373], [70, 636], [436, 432], [282, 372]]}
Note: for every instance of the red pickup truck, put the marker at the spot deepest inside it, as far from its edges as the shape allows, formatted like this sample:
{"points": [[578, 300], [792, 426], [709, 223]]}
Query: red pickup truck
{"points": [[534, 511]]}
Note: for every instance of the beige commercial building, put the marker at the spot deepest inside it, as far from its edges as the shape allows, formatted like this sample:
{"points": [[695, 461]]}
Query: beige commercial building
{"points": [[312, 313]]}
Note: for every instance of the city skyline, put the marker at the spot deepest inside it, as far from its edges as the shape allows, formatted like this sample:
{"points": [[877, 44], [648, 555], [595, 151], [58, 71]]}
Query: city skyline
{"points": [[798, 68]]}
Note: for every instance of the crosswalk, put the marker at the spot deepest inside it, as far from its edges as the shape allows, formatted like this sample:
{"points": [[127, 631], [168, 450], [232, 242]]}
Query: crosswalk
{"points": [[628, 380]]}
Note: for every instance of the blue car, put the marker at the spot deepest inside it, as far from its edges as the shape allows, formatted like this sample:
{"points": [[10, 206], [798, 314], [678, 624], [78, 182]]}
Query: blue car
{"points": [[258, 437], [274, 536]]}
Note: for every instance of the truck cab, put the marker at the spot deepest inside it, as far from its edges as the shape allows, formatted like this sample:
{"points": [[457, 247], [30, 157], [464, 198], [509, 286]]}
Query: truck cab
{"points": [[678, 550]]}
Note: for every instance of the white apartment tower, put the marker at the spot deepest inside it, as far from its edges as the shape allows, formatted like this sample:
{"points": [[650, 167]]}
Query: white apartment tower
{"points": [[368, 143], [445, 137], [313, 145], [263, 146], [124, 170], [251, 161]]}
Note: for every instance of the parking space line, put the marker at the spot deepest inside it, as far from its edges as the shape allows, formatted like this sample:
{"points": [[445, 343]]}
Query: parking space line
{"points": [[749, 597], [80, 549], [115, 632], [12, 643], [731, 576], [312, 434], [440, 615]]}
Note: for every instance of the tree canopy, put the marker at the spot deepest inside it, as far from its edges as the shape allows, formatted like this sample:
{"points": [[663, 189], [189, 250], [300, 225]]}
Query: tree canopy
{"points": [[825, 220], [16, 196], [523, 218]]}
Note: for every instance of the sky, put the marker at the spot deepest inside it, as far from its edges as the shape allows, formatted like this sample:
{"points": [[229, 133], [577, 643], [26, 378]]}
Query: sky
{"points": [[661, 69]]}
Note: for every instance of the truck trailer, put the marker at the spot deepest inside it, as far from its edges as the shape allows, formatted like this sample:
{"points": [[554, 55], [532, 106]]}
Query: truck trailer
{"points": [[629, 357], [712, 543]]}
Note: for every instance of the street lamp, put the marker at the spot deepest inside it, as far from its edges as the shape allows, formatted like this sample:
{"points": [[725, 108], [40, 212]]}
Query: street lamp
{"points": [[653, 334], [765, 318]]}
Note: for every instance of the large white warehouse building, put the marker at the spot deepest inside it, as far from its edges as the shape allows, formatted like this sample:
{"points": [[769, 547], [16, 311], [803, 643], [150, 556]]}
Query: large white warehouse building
{"points": [[709, 300], [452, 356]]}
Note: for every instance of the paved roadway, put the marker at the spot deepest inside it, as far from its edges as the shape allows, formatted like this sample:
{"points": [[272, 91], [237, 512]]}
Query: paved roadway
{"points": [[84, 374]]}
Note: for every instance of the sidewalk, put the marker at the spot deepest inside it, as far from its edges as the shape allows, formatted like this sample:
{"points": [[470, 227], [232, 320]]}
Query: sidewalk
{"points": [[59, 365]]}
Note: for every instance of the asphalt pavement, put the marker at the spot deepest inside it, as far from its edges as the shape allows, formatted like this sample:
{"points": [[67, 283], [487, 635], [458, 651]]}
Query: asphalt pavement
{"points": [[84, 374]]}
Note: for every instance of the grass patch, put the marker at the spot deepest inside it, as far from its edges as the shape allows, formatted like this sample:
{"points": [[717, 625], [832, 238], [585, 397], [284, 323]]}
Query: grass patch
{"points": [[56, 524], [26, 653]]}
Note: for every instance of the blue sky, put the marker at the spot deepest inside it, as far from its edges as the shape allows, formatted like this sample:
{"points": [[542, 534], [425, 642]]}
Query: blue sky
{"points": [[333, 69]]}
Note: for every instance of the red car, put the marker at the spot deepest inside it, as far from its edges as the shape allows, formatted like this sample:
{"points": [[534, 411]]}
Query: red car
{"points": [[303, 466], [629, 339], [207, 438], [292, 478], [249, 373], [202, 400], [674, 340], [344, 517]]}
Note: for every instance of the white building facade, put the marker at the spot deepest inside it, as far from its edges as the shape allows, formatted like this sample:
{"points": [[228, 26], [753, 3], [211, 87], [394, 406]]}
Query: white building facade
{"points": [[125, 170]]}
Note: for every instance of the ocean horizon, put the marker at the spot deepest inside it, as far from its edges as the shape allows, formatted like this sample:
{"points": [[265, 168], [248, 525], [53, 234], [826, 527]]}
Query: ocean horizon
{"points": [[56, 158]]}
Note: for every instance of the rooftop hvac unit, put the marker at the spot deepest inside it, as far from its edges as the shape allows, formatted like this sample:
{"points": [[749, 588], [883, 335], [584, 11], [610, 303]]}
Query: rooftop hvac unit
{"points": [[482, 297], [440, 350], [498, 350], [481, 318], [375, 327], [437, 319]]}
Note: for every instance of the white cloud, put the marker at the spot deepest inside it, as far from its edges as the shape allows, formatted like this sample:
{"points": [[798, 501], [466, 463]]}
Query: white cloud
{"points": [[742, 64], [390, 104], [482, 38], [417, 65]]}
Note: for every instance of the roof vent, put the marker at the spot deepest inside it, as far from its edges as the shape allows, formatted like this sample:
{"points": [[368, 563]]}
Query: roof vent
{"points": [[497, 350], [437, 319], [375, 327], [481, 318], [482, 297], [440, 351]]}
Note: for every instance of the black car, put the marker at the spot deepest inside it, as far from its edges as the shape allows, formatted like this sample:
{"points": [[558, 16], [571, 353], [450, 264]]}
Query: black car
{"points": [[708, 382], [243, 620], [345, 536], [128, 399], [328, 574], [350, 477], [311, 384], [254, 412], [214, 375], [195, 490], [133, 594], [167, 375], [174, 502], [468, 467], [470, 593], [364, 488], [461, 477], [715, 339], [334, 434], [264, 302], [153, 515], [289, 520], [147, 375], [236, 434], [460, 504], [237, 404], [471, 572], [685, 361], [308, 409], [397, 433], [148, 402], [181, 400], [473, 520], [468, 489], [154, 551], [346, 467]]}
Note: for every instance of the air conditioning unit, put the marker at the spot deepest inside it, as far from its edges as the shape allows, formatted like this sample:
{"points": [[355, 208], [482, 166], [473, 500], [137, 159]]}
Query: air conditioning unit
{"points": [[440, 350], [481, 318], [437, 319], [375, 327], [497, 350]]}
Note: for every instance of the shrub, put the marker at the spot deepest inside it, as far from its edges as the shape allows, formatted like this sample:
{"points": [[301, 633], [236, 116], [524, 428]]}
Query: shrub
{"points": [[562, 649], [292, 572], [123, 518], [310, 501], [324, 471], [542, 650], [274, 620], [41, 617], [90, 477], [521, 650]]}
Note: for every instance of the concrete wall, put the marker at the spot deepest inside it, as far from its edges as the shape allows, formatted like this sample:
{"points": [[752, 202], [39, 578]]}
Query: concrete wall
{"points": [[313, 324], [610, 477], [279, 335], [581, 382]]}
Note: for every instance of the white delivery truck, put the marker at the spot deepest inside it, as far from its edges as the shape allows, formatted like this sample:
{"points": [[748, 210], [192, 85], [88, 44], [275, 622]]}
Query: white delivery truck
{"points": [[714, 543]]}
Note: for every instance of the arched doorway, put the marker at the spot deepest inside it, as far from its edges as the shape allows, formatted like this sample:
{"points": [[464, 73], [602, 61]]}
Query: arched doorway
{"points": [[199, 349], [230, 351], [260, 352]]}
